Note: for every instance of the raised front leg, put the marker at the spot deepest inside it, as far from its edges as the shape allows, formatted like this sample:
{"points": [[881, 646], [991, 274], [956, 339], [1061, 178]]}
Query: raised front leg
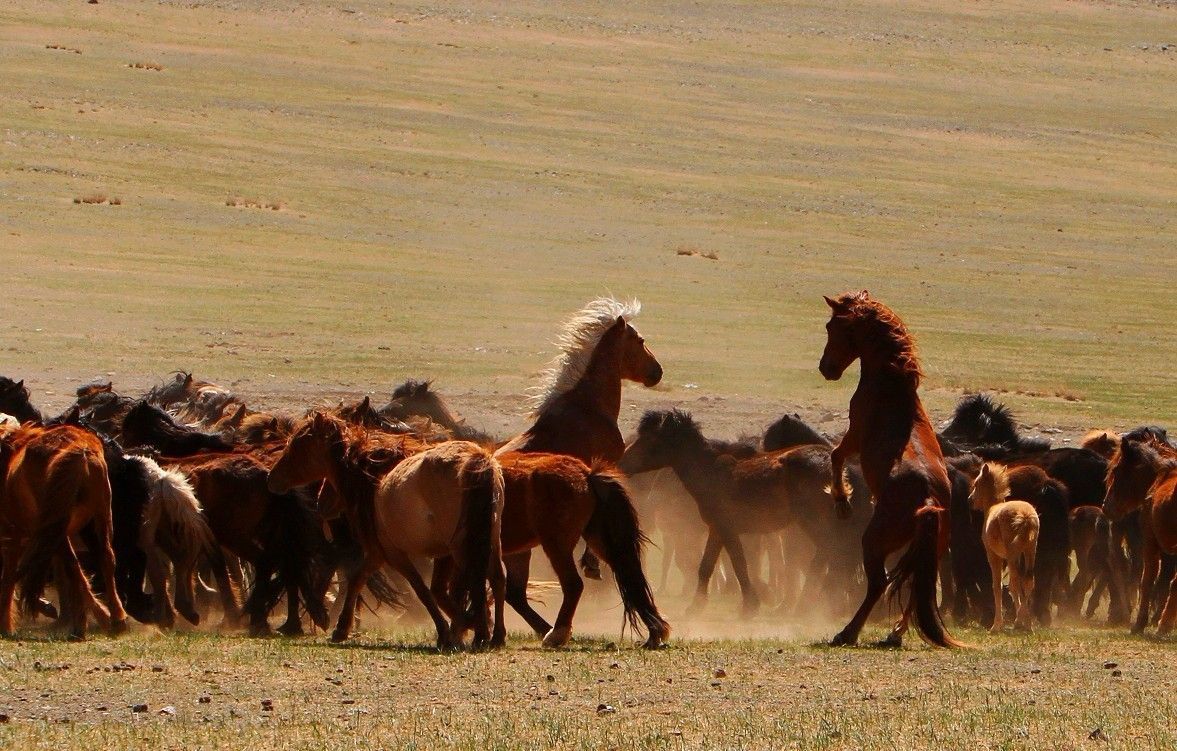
{"points": [[847, 447]]}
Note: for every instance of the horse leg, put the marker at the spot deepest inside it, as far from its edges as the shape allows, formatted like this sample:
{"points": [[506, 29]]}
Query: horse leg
{"points": [[401, 562], [874, 563], [996, 564], [707, 563], [439, 585], [293, 624], [590, 564], [1148, 577], [186, 588], [571, 586], [81, 594], [518, 565], [1169, 611], [498, 590], [157, 574], [351, 596], [735, 552], [106, 566], [229, 593], [11, 556]]}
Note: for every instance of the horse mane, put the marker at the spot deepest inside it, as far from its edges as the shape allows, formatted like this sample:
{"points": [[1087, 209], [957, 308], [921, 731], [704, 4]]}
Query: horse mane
{"points": [[577, 341], [890, 328], [675, 425], [998, 490], [412, 388]]}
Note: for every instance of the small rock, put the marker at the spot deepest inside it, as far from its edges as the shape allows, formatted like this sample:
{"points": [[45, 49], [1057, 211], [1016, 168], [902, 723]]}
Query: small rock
{"points": [[551, 678], [1097, 735], [1110, 665], [168, 711], [3, 719], [102, 708], [157, 668], [206, 699], [348, 701], [615, 666], [1117, 673], [720, 673], [605, 709], [138, 708], [267, 705], [1035, 671]]}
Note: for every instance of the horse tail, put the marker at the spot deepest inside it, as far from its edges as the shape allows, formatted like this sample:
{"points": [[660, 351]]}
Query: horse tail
{"points": [[614, 527], [67, 473], [481, 480], [172, 502], [920, 565], [294, 545]]}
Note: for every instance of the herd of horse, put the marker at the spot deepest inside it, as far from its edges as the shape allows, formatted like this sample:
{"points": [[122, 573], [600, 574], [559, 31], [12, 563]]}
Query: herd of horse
{"points": [[139, 507]]}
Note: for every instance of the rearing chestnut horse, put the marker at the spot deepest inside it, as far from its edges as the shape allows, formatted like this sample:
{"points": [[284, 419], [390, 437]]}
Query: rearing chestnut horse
{"points": [[576, 409], [901, 461]]}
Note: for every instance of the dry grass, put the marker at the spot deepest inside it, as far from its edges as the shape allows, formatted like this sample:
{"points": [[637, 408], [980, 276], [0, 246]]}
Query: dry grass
{"points": [[145, 66], [98, 198], [1046, 691], [255, 203]]}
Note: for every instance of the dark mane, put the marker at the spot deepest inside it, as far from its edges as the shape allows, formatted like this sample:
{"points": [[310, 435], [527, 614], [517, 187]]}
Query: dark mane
{"points": [[672, 425], [888, 328], [412, 388], [14, 400], [146, 424], [789, 431], [980, 423]]}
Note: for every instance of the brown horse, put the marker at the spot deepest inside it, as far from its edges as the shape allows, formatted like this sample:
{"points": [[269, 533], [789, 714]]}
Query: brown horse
{"points": [[403, 499], [417, 399], [279, 533], [577, 405], [53, 482], [901, 461], [738, 495], [1143, 475], [350, 461]]}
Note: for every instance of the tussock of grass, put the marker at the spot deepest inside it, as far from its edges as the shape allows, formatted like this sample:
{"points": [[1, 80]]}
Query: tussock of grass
{"points": [[146, 66]]}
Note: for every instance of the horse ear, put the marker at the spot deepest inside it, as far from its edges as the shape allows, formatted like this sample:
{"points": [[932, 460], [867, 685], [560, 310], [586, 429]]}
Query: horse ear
{"points": [[187, 379], [832, 303], [20, 384], [317, 418], [985, 471], [367, 403], [864, 295]]}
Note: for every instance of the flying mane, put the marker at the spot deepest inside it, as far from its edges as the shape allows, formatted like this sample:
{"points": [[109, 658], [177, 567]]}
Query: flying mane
{"points": [[577, 342], [890, 329]]}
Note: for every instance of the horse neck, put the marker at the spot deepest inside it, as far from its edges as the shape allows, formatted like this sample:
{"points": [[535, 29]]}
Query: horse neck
{"points": [[693, 465], [599, 389], [441, 414]]}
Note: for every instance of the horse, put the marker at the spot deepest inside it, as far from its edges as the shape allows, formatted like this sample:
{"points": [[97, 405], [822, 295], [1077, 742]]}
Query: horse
{"points": [[576, 406], [969, 564], [979, 422], [1010, 535], [1091, 542], [1143, 475], [281, 534], [53, 482], [788, 431], [14, 401], [362, 413], [901, 461], [405, 499], [350, 461], [148, 425], [762, 493], [191, 400], [418, 399]]}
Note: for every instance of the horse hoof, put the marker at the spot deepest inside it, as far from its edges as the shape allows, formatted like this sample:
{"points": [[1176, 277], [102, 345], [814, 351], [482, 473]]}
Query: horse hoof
{"points": [[261, 632], [499, 640], [191, 616], [843, 640], [291, 628], [46, 608], [119, 627], [557, 637], [339, 635], [893, 641]]}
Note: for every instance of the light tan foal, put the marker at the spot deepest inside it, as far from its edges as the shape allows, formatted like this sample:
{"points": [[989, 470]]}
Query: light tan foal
{"points": [[1010, 535]]}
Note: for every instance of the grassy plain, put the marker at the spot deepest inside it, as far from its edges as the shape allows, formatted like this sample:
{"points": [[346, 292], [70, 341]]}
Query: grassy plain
{"points": [[1046, 691], [454, 179]]}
